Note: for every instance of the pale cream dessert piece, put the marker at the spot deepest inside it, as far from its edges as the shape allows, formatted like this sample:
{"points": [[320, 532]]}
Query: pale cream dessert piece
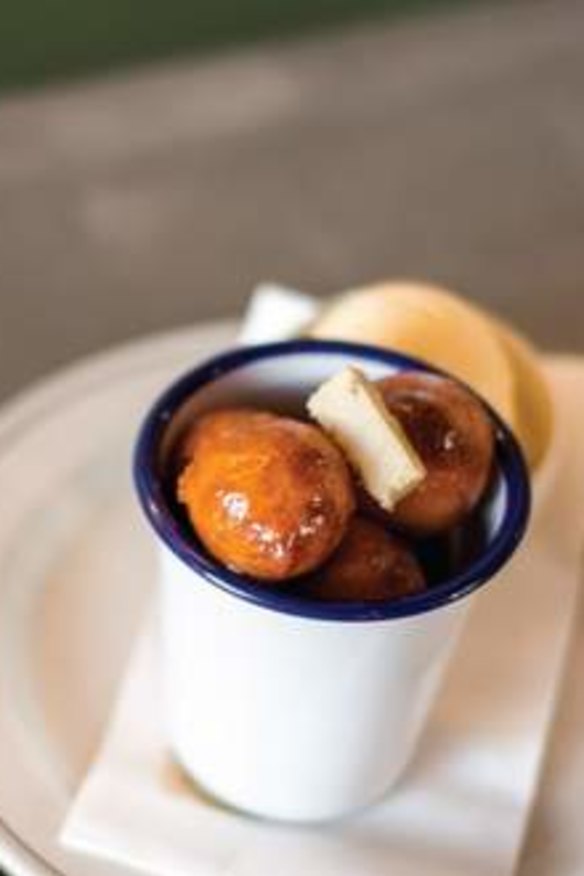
{"points": [[351, 409]]}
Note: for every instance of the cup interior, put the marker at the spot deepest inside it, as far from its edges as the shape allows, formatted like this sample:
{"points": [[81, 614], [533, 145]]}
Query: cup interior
{"points": [[280, 377], [280, 384]]}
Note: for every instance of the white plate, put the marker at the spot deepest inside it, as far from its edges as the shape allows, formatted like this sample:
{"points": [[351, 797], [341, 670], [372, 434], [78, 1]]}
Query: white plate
{"points": [[75, 567], [69, 601]]}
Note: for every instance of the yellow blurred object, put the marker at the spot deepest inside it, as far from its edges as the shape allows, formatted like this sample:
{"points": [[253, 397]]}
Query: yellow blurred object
{"points": [[441, 328], [534, 415], [427, 322]]}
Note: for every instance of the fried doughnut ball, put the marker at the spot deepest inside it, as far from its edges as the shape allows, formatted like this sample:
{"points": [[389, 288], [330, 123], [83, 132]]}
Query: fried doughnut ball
{"points": [[268, 496], [370, 564], [454, 437]]}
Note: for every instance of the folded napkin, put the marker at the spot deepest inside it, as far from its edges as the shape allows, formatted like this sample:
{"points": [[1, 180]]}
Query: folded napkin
{"points": [[462, 807]]}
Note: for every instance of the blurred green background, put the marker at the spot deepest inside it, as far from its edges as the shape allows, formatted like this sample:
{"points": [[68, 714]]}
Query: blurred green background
{"points": [[46, 40]]}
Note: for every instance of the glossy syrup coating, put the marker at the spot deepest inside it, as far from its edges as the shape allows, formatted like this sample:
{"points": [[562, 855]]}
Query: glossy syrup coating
{"points": [[268, 496], [370, 564], [453, 434]]}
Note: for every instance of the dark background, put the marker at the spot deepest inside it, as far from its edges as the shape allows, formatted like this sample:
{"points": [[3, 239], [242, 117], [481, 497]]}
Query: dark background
{"points": [[47, 40]]}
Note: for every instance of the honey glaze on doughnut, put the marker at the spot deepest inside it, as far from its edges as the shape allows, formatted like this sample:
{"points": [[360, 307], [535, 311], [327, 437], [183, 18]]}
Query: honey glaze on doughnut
{"points": [[453, 434], [269, 496]]}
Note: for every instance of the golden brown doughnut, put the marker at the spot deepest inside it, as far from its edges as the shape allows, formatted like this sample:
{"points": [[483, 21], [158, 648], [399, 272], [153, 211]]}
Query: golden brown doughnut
{"points": [[371, 563], [454, 437], [268, 496]]}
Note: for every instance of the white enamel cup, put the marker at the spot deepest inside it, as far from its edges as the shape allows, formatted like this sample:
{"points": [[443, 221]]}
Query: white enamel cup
{"points": [[276, 705]]}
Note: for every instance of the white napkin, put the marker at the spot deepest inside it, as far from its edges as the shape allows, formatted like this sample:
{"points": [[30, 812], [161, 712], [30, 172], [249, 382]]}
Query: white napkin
{"points": [[276, 313], [462, 807]]}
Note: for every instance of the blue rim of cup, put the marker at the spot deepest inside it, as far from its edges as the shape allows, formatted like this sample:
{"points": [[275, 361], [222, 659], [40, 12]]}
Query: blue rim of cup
{"points": [[160, 514]]}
